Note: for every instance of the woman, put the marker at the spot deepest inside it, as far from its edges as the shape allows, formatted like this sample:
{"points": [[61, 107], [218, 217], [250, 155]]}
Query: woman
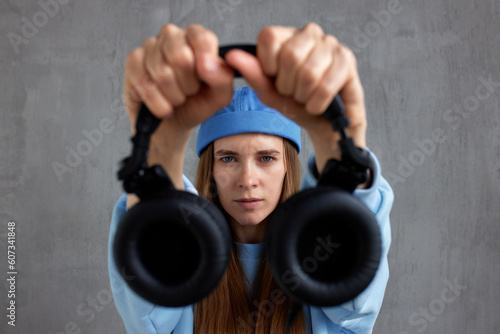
{"points": [[248, 164]]}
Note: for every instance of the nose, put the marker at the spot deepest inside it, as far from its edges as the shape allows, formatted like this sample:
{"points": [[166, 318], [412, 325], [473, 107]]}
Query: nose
{"points": [[248, 177]]}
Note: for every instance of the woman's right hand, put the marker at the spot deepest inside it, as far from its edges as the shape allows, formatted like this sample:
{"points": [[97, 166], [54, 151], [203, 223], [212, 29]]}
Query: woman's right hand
{"points": [[183, 81], [167, 72]]}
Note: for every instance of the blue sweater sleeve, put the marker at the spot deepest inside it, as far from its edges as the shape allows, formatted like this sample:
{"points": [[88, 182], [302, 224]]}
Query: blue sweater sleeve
{"points": [[359, 315], [139, 315]]}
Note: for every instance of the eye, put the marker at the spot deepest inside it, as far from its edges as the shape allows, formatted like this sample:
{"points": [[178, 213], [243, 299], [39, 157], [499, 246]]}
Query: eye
{"points": [[223, 159], [266, 159]]}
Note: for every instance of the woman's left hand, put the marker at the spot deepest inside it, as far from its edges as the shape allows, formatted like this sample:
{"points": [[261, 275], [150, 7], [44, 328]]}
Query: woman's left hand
{"points": [[299, 72]]}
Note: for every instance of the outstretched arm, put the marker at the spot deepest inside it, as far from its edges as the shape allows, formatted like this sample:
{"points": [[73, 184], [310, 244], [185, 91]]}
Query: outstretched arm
{"points": [[299, 72], [166, 74], [183, 81]]}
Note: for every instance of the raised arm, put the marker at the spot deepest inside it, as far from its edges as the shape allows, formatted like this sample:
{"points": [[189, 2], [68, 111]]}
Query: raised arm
{"points": [[182, 80], [299, 72]]}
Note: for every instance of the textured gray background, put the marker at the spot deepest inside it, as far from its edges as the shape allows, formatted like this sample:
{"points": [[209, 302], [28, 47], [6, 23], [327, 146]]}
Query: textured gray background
{"points": [[421, 70]]}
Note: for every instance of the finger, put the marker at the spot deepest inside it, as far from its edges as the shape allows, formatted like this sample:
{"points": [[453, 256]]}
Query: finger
{"points": [[251, 69], [216, 94], [202, 40], [218, 91], [180, 57], [335, 77], [269, 43], [132, 102], [162, 73], [212, 69], [312, 71], [138, 80], [355, 110], [292, 55], [342, 78], [352, 95]]}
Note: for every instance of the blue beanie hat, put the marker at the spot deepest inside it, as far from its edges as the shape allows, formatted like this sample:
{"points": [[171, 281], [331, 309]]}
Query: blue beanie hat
{"points": [[245, 114]]}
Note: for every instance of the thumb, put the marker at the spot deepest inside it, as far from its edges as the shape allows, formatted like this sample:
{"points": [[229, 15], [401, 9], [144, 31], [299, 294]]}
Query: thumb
{"points": [[218, 77], [215, 73], [249, 67]]}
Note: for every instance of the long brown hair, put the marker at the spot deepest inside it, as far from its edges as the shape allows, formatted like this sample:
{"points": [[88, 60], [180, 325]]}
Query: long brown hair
{"points": [[229, 309]]}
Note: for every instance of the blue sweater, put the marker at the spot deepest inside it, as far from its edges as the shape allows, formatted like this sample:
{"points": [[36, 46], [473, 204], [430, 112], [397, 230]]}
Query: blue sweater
{"points": [[356, 316]]}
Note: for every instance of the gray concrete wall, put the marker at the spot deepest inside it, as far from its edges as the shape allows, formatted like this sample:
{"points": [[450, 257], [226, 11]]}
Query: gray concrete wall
{"points": [[434, 123]]}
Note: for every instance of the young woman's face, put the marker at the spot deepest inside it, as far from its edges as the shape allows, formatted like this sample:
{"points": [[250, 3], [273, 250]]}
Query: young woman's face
{"points": [[249, 170]]}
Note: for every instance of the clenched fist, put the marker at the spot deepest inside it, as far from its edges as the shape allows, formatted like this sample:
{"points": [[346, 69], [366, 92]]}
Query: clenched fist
{"points": [[299, 72], [166, 73]]}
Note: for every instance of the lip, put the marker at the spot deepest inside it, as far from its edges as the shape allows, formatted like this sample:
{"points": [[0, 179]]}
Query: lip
{"points": [[248, 203]]}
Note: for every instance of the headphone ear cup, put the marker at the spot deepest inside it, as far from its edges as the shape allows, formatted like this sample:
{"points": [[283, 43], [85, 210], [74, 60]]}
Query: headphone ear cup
{"points": [[323, 246], [173, 251]]}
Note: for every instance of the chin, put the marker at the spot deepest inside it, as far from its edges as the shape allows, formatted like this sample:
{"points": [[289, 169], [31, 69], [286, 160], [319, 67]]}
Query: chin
{"points": [[249, 220]]}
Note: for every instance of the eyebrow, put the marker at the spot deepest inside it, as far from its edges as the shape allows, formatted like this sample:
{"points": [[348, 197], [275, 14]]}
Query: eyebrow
{"points": [[262, 152]]}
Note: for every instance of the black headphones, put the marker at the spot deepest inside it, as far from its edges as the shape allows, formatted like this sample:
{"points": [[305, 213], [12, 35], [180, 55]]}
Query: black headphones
{"points": [[176, 245], [323, 244]]}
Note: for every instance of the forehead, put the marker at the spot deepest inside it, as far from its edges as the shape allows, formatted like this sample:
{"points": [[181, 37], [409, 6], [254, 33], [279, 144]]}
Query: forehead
{"points": [[248, 142]]}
